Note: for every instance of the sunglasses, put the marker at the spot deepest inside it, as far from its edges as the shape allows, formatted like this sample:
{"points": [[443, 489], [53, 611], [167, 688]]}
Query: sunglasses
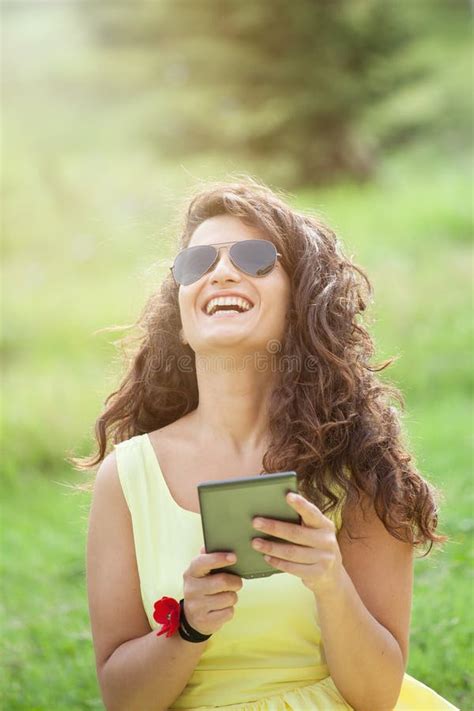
{"points": [[255, 257]]}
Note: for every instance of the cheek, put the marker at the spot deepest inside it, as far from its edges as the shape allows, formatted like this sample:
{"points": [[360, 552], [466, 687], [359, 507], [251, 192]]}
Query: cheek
{"points": [[277, 301], [279, 293], [186, 302]]}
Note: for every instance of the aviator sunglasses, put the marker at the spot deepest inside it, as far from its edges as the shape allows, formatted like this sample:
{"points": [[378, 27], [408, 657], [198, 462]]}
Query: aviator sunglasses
{"points": [[255, 257]]}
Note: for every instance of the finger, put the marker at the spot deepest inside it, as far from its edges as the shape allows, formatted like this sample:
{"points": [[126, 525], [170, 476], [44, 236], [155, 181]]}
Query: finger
{"points": [[294, 532], [309, 512], [311, 519], [318, 541], [289, 551], [208, 561], [302, 570]]}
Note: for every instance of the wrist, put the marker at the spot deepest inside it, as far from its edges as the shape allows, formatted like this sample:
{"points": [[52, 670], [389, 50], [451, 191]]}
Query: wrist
{"points": [[333, 586], [186, 631], [169, 613]]}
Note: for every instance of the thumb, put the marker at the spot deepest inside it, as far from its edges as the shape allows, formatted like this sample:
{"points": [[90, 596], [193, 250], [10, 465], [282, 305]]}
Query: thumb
{"points": [[202, 550]]}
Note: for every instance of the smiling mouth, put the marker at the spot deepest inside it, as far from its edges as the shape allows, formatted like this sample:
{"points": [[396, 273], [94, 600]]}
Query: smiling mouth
{"points": [[229, 312]]}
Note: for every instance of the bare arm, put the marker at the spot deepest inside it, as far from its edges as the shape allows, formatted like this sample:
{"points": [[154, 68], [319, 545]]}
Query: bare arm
{"points": [[148, 673], [136, 669], [365, 620]]}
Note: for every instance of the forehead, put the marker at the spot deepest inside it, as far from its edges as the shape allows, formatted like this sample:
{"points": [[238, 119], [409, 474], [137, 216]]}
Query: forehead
{"points": [[223, 228]]}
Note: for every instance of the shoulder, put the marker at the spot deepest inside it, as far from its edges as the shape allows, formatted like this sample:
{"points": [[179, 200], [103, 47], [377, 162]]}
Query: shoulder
{"points": [[365, 541], [108, 491], [180, 431], [124, 467], [361, 518], [358, 518], [130, 443], [107, 479], [107, 473], [360, 514]]}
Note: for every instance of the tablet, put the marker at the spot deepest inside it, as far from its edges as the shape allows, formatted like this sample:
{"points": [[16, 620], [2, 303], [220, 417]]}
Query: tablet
{"points": [[228, 507]]}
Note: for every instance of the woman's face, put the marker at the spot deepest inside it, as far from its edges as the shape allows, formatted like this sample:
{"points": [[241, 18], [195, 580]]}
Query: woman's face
{"points": [[270, 295]]}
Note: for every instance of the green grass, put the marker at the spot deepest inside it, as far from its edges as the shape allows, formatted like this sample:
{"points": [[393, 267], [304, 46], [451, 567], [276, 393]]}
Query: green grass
{"points": [[57, 375]]}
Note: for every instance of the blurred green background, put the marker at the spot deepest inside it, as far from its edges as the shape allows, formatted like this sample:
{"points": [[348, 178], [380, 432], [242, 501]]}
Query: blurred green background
{"points": [[112, 112]]}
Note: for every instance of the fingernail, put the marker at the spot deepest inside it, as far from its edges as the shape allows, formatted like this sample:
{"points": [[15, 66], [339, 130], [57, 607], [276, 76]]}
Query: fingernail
{"points": [[230, 557]]}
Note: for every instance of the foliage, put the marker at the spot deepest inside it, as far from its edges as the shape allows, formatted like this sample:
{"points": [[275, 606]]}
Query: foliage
{"points": [[308, 91]]}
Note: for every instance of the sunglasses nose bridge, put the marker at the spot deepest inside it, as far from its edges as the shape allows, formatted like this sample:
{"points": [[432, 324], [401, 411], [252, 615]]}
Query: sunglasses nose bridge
{"points": [[218, 256]]}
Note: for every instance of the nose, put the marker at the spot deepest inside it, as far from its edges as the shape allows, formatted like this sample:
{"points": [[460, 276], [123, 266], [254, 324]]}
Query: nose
{"points": [[223, 268]]}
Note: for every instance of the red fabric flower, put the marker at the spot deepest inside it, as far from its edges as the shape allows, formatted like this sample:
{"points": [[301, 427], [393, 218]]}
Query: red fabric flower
{"points": [[167, 613]]}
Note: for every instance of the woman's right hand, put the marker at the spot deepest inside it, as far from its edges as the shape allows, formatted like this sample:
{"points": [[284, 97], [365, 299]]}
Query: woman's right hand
{"points": [[209, 599]]}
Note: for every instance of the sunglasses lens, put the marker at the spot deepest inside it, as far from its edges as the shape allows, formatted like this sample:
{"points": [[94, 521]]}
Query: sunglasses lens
{"points": [[192, 263], [255, 257]]}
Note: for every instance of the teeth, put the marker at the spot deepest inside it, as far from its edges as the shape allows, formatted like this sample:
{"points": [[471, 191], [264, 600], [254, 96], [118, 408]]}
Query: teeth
{"points": [[227, 301]]}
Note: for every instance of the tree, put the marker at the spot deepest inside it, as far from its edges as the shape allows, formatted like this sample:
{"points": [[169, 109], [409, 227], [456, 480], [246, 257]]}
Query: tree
{"points": [[273, 82]]}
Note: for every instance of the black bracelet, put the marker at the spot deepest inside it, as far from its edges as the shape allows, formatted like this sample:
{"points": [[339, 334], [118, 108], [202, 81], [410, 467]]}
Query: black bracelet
{"points": [[185, 630]]}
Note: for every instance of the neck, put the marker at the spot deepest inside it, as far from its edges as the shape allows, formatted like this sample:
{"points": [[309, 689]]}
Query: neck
{"points": [[232, 413]]}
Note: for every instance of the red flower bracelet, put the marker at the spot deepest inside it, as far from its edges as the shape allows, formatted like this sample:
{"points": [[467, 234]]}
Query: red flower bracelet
{"points": [[166, 613]]}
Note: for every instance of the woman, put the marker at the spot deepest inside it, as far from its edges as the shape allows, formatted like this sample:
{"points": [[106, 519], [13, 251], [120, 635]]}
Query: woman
{"points": [[250, 359]]}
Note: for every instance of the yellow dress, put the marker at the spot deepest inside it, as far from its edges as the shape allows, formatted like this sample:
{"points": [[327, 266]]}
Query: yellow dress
{"points": [[270, 655]]}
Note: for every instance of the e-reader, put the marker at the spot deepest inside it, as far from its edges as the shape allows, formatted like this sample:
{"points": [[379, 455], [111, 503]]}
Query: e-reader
{"points": [[228, 507]]}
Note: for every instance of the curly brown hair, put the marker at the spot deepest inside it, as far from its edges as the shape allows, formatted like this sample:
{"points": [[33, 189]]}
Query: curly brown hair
{"points": [[330, 420]]}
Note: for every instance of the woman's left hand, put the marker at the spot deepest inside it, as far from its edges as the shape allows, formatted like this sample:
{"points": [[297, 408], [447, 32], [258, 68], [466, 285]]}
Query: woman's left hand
{"points": [[312, 553]]}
